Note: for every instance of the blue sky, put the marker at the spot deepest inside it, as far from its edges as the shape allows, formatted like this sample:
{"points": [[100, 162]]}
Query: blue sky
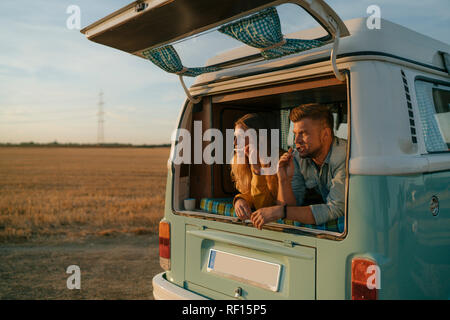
{"points": [[50, 76]]}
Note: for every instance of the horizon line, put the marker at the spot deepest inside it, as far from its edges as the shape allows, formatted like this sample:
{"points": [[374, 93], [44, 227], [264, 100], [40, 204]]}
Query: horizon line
{"points": [[77, 144]]}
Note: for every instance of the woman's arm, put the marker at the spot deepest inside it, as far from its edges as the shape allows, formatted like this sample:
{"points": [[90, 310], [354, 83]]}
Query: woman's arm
{"points": [[242, 204]]}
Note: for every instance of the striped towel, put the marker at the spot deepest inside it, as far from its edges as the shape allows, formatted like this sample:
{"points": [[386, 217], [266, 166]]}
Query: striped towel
{"points": [[224, 207], [333, 225]]}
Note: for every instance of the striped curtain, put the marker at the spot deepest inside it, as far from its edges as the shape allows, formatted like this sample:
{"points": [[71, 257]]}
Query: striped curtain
{"points": [[262, 31], [431, 133], [167, 59]]}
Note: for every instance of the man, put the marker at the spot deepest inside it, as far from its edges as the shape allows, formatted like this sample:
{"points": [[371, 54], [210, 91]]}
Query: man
{"points": [[318, 164]]}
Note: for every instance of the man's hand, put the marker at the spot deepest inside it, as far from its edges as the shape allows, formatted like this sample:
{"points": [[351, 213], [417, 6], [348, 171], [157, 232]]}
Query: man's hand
{"points": [[242, 209], [286, 166], [264, 215]]}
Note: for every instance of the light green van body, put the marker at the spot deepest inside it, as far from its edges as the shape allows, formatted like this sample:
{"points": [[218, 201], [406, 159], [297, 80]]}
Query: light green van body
{"points": [[391, 182], [409, 244]]}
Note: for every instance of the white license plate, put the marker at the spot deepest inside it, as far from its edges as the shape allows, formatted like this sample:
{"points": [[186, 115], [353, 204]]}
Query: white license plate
{"points": [[248, 270]]}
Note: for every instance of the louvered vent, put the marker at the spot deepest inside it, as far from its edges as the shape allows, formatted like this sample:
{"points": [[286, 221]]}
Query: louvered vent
{"points": [[412, 123]]}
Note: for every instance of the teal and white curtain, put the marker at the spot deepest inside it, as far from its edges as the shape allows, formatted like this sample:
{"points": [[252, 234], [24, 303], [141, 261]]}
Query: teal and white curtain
{"points": [[285, 123], [263, 31], [433, 139], [167, 59]]}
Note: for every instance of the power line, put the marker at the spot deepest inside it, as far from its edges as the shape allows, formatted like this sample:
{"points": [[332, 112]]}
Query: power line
{"points": [[101, 120]]}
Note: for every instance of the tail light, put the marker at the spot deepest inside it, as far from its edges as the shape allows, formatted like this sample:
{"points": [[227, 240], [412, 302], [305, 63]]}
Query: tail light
{"points": [[365, 279], [164, 244]]}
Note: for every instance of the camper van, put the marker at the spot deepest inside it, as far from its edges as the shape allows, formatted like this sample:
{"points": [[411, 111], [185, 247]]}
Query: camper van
{"points": [[388, 88]]}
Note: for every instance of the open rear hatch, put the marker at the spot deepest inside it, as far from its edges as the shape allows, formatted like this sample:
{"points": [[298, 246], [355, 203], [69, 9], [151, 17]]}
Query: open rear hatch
{"points": [[222, 264], [150, 28], [149, 24]]}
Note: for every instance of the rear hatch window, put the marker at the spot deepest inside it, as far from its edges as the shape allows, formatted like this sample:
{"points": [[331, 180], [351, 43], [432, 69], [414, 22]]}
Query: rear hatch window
{"points": [[145, 26], [200, 49]]}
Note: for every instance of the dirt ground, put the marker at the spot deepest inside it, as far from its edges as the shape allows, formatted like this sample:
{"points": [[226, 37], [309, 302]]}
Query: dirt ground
{"points": [[116, 267]]}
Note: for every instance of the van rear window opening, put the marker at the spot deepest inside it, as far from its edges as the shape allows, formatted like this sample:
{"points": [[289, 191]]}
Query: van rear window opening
{"points": [[206, 145]]}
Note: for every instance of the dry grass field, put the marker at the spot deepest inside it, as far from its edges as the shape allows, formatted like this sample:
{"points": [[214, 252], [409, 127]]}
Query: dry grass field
{"points": [[76, 192]]}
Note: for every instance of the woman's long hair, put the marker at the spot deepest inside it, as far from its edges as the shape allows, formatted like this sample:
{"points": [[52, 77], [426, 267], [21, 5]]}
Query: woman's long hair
{"points": [[241, 174]]}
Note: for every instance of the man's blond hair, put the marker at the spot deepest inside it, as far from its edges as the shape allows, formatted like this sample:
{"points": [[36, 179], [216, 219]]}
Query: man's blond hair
{"points": [[313, 111]]}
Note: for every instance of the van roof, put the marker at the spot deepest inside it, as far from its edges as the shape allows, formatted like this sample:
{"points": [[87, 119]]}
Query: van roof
{"points": [[391, 40]]}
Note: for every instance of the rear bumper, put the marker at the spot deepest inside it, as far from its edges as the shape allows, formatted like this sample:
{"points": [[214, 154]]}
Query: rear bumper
{"points": [[166, 290]]}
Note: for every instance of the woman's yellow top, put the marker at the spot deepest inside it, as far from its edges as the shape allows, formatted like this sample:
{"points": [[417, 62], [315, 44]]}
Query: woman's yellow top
{"points": [[260, 195]]}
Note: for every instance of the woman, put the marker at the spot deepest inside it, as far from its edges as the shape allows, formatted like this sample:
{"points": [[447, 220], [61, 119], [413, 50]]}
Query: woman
{"points": [[256, 190]]}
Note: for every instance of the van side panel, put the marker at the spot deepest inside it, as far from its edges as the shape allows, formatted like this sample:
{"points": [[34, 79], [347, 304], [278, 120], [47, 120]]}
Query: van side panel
{"points": [[389, 221], [392, 216]]}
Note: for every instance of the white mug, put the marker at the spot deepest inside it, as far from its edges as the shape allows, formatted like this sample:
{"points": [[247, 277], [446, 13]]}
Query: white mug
{"points": [[189, 204]]}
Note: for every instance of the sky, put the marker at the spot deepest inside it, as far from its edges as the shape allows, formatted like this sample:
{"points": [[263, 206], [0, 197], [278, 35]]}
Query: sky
{"points": [[51, 76]]}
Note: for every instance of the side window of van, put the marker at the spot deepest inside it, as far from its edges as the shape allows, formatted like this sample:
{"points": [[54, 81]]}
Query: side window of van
{"points": [[434, 108]]}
